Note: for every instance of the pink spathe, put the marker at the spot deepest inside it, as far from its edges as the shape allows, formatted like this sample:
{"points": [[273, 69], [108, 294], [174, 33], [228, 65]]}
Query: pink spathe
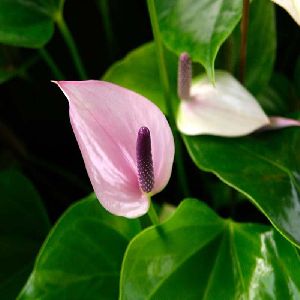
{"points": [[106, 119]]}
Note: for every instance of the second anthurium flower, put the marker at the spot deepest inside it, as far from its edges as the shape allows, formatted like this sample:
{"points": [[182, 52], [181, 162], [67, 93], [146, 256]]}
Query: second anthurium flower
{"points": [[126, 143], [224, 108]]}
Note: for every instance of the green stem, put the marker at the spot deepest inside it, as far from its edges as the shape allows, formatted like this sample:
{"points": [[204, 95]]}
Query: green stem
{"points": [[69, 40], [152, 213], [52, 65], [181, 174], [103, 6]]}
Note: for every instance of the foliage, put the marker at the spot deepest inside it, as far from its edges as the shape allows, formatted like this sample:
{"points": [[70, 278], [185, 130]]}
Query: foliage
{"points": [[241, 240]]}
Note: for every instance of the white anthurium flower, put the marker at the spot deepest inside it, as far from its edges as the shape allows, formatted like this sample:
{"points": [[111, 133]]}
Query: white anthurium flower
{"points": [[224, 108], [292, 7]]}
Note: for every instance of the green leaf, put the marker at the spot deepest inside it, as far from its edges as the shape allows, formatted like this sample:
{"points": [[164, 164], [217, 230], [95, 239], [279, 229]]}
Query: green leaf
{"points": [[27, 23], [139, 72], [198, 27], [82, 255], [197, 255], [23, 226], [265, 167]]}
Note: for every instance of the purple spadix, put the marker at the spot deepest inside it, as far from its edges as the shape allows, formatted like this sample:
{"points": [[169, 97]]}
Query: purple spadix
{"points": [[184, 76], [144, 160]]}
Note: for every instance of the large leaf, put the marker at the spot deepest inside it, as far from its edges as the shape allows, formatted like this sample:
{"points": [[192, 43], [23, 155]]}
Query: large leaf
{"points": [[138, 71], [82, 255], [197, 255], [23, 227], [265, 167], [27, 23], [198, 27]]}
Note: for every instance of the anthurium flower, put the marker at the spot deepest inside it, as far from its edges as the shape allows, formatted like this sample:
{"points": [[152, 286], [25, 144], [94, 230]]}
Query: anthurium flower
{"points": [[224, 108], [126, 143], [292, 7]]}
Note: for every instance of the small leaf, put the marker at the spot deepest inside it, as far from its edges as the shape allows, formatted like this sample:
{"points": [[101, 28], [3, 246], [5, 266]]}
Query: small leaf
{"points": [[82, 255], [265, 167], [27, 23], [198, 27], [23, 226], [197, 255]]}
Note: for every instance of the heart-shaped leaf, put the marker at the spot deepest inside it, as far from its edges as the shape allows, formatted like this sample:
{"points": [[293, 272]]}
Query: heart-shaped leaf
{"points": [[23, 227], [82, 255], [138, 71], [197, 255], [198, 27], [265, 167]]}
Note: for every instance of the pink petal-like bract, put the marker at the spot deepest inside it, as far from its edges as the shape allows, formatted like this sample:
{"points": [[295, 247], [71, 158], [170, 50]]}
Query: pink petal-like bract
{"points": [[106, 119]]}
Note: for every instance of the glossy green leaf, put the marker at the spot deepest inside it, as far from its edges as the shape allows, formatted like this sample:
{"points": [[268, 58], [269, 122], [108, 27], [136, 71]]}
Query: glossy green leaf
{"points": [[265, 167], [198, 27], [197, 255], [82, 255], [23, 227], [138, 71], [27, 23]]}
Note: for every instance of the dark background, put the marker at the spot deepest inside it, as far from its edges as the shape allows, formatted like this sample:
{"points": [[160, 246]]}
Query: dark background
{"points": [[35, 133]]}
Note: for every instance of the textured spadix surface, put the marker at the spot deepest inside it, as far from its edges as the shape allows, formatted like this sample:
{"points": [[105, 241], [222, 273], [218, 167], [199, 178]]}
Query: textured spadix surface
{"points": [[106, 119], [223, 109]]}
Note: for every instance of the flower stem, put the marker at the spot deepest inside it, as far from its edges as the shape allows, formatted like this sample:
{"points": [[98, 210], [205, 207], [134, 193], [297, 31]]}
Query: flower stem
{"points": [[244, 32], [152, 213], [52, 65], [69, 40], [181, 174]]}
